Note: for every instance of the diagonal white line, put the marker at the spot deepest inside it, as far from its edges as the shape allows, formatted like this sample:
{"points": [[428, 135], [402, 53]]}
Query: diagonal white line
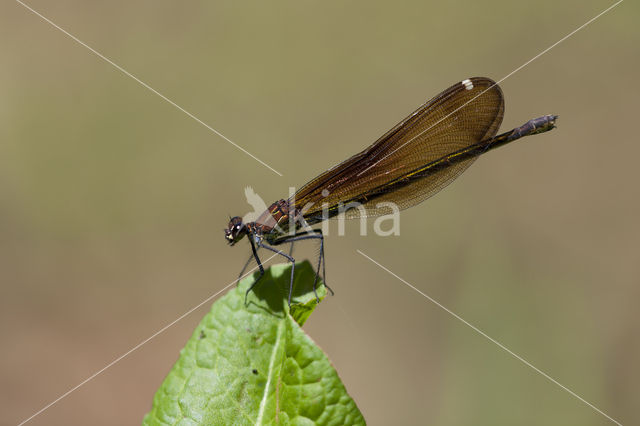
{"points": [[491, 339], [498, 82], [145, 85], [136, 347]]}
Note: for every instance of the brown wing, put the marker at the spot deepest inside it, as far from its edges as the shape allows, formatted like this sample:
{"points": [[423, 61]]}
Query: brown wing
{"points": [[462, 115]]}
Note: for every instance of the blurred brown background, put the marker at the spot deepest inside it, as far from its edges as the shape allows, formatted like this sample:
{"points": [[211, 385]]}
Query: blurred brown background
{"points": [[112, 202]]}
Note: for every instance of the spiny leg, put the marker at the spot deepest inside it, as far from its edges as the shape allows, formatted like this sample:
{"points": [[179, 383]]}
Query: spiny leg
{"points": [[254, 253], [291, 259], [324, 263], [316, 234], [324, 271], [244, 268]]}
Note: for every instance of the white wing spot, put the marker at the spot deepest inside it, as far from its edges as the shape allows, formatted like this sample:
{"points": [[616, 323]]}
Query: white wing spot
{"points": [[467, 84]]}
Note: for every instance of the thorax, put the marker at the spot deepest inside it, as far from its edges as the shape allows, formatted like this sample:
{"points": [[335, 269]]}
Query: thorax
{"points": [[277, 220]]}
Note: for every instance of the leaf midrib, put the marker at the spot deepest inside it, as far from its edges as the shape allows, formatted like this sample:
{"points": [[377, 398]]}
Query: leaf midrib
{"points": [[274, 352]]}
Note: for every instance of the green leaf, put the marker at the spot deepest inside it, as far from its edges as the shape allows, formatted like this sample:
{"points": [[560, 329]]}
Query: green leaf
{"points": [[253, 364]]}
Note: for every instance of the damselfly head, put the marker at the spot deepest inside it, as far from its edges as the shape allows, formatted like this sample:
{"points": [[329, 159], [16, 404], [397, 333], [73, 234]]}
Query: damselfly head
{"points": [[235, 231]]}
